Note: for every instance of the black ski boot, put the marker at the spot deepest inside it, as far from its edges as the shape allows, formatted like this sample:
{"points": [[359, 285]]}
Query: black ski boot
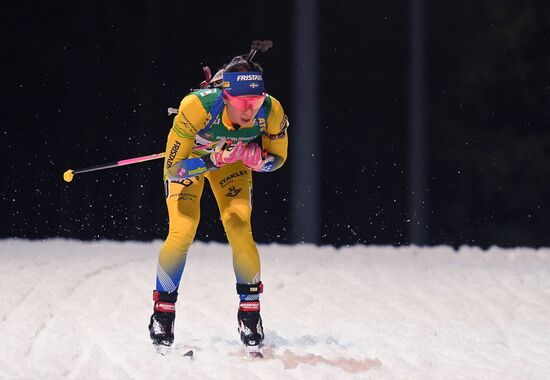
{"points": [[250, 326], [248, 316], [161, 325]]}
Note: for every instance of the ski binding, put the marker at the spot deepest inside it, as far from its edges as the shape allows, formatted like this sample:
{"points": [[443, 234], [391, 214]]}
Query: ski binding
{"points": [[254, 352]]}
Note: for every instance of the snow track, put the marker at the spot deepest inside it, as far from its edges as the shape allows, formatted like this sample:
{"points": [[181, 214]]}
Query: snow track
{"points": [[80, 310]]}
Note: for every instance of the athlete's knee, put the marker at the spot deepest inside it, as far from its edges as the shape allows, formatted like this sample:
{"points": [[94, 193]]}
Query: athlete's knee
{"points": [[181, 235], [176, 244], [236, 216]]}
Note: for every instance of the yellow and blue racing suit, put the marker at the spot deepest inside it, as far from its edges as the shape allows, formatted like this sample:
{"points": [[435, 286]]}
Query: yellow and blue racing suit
{"points": [[192, 136]]}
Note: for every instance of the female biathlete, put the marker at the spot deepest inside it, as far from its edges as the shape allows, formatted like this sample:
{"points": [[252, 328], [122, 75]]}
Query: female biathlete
{"points": [[238, 128]]}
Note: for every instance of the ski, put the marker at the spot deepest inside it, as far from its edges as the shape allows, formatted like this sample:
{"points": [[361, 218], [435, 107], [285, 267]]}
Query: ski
{"points": [[169, 350], [254, 352], [163, 350]]}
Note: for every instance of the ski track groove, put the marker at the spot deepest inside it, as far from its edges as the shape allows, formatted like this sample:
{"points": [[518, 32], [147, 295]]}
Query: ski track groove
{"points": [[41, 327], [105, 268], [79, 360], [53, 315], [105, 347], [102, 344], [19, 302], [86, 278]]}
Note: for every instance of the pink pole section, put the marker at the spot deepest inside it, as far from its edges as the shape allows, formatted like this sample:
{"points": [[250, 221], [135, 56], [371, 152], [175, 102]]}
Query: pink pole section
{"points": [[128, 161], [135, 160]]}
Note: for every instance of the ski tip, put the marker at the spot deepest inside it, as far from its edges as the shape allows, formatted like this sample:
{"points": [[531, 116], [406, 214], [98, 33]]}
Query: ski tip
{"points": [[189, 354]]}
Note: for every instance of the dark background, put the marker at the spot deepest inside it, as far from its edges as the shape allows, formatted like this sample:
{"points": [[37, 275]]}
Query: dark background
{"points": [[86, 83]]}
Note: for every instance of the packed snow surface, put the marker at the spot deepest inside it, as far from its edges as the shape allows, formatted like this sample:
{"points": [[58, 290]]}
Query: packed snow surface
{"points": [[80, 310]]}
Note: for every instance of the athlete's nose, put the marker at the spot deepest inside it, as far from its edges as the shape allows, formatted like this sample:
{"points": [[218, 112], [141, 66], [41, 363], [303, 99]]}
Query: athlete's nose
{"points": [[248, 111]]}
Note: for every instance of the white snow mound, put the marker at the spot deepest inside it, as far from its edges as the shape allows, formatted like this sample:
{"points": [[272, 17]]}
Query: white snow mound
{"points": [[80, 310]]}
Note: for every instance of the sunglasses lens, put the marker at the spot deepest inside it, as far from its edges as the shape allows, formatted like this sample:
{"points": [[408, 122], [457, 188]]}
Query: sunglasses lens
{"points": [[257, 103], [243, 103]]}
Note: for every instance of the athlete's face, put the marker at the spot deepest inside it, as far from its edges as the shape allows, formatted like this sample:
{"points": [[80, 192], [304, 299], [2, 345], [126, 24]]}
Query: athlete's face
{"points": [[242, 109]]}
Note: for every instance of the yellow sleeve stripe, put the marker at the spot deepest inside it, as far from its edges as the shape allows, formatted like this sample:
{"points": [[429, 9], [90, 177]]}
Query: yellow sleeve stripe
{"points": [[180, 132], [191, 117]]}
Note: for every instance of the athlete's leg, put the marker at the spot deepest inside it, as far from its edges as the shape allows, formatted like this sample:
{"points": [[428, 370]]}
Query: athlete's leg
{"points": [[232, 188], [183, 202]]}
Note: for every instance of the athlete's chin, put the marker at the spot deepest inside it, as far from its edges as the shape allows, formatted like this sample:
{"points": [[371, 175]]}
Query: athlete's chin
{"points": [[245, 122]]}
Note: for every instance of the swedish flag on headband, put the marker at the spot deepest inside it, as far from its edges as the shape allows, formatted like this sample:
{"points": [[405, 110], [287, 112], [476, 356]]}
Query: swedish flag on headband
{"points": [[243, 83]]}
